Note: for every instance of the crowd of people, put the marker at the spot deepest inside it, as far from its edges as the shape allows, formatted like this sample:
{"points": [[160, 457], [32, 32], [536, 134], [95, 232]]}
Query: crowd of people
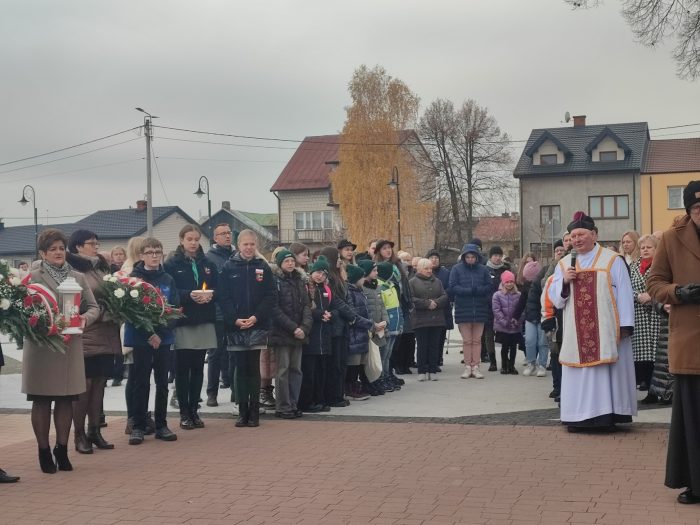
{"points": [[307, 332]]}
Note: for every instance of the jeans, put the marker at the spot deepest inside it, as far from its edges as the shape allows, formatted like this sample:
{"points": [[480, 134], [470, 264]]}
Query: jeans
{"points": [[385, 354], [428, 340], [147, 359], [313, 381], [288, 377], [218, 362], [471, 342], [189, 379], [536, 347]]}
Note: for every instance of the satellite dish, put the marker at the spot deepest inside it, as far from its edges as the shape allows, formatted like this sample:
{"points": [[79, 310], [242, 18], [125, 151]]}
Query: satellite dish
{"points": [[567, 116]]}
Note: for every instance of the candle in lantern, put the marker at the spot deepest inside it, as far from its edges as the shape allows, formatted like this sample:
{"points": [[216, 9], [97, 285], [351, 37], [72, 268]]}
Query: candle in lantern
{"points": [[69, 304]]}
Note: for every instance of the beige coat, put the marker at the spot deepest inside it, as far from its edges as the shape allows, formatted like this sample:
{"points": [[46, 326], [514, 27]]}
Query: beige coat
{"points": [[677, 262], [49, 373], [101, 337]]}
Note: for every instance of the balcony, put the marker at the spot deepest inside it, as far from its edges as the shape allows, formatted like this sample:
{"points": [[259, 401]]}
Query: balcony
{"points": [[322, 236]]}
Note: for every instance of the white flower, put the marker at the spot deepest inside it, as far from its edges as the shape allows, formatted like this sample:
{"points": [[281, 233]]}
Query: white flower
{"points": [[134, 293], [15, 281], [119, 293], [113, 279], [3, 261], [106, 277], [14, 271], [1, 277], [5, 304]]}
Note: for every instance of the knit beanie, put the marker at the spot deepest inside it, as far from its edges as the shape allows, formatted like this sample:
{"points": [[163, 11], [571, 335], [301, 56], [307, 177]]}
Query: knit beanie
{"points": [[691, 194], [385, 270], [532, 270], [507, 277], [282, 255], [321, 265], [367, 266], [495, 250], [355, 273]]}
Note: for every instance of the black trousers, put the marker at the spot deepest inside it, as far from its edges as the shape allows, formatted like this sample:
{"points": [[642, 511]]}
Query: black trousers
{"points": [[509, 348], [488, 344], [643, 370], [189, 378], [147, 360], [428, 342], [313, 383], [404, 351], [247, 378], [118, 372], [336, 367], [443, 340], [218, 362], [683, 458]]}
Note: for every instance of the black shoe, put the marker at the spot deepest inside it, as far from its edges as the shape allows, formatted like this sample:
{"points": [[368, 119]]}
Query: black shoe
{"points": [[504, 370], [325, 408], [224, 386], [186, 423], [493, 368], [286, 415], [197, 421], [340, 404], [83, 444], [513, 371], [553, 394], [314, 408], [166, 434], [557, 399], [650, 399], [136, 437], [688, 498], [211, 401], [117, 382], [243, 415], [644, 386], [150, 425], [60, 452], [46, 461], [254, 414], [95, 437], [6, 478]]}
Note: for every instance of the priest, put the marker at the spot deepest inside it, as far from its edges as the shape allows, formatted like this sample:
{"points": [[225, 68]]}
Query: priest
{"points": [[592, 286]]}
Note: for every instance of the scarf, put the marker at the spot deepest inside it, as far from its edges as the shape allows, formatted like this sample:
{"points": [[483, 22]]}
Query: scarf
{"points": [[58, 273], [644, 265], [494, 266]]}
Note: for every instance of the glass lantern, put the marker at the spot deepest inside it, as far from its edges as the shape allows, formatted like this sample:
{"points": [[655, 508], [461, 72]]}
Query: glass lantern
{"points": [[69, 304]]}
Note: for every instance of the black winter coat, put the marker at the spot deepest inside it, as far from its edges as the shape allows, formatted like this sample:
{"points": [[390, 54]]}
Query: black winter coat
{"points": [[180, 267], [246, 288], [530, 301], [292, 310], [321, 331], [219, 255]]}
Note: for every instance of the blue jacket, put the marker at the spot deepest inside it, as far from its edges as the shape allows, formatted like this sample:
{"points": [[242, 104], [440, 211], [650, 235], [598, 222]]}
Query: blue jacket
{"points": [[358, 341], [166, 284], [470, 285]]}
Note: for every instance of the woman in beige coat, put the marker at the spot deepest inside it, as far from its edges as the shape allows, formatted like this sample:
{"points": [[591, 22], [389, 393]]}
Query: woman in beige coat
{"points": [[49, 376], [101, 343]]}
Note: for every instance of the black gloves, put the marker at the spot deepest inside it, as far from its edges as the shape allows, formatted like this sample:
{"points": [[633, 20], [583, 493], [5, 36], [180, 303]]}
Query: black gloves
{"points": [[690, 293]]}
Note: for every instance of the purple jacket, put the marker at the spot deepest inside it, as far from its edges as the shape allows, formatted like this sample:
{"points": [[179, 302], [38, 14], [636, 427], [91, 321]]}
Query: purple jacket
{"points": [[503, 305]]}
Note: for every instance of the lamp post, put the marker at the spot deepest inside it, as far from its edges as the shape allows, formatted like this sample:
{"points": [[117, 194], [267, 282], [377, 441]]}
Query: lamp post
{"points": [[149, 201], [394, 185], [200, 193], [29, 190]]}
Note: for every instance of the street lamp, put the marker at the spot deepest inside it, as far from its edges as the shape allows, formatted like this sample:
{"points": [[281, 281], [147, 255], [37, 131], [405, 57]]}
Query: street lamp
{"points": [[29, 190], [200, 193], [149, 201], [394, 185]]}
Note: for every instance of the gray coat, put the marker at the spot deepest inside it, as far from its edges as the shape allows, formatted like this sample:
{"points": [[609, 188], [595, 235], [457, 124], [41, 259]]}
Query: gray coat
{"points": [[376, 309], [424, 289], [49, 373]]}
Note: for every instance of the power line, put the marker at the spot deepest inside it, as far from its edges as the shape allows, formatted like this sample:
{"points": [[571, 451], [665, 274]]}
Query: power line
{"points": [[69, 171], [165, 193], [225, 143], [49, 217], [223, 160], [68, 157], [70, 147]]}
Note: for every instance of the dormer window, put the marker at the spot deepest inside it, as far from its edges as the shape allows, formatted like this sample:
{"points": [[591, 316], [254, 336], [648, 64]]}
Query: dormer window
{"points": [[608, 156], [547, 150], [607, 147], [548, 159]]}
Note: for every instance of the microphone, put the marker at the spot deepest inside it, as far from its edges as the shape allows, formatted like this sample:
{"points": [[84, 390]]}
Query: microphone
{"points": [[573, 258]]}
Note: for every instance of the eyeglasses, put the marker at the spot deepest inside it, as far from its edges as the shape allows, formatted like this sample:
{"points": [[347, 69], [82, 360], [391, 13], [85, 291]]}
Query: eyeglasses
{"points": [[151, 253], [92, 243], [223, 233]]}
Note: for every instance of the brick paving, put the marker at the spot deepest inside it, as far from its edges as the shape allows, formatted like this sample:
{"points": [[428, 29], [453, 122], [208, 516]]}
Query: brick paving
{"points": [[349, 472]]}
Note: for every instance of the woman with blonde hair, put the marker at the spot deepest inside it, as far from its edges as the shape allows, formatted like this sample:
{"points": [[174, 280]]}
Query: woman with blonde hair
{"points": [[527, 258], [629, 246]]}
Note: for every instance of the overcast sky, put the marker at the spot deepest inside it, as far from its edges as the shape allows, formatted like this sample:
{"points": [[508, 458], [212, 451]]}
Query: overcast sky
{"points": [[74, 71]]}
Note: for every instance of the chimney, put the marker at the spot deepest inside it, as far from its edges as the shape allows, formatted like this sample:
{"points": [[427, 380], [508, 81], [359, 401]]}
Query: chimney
{"points": [[226, 205], [579, 120], [141, 205]]}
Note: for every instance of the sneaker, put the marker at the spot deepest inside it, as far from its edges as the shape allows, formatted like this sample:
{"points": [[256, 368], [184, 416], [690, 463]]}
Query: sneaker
{"points": [[529, 369], [211, 401], [313, 408], [432, 377], [136, 437], [267, 399], [422, 377], [166, 434], [541, 371], [234, 410], [340, 404], [476, 373], [397, 380], [357, 394], [186, 423], [286, 415], [493, 368], [387, 385], [467, 373], [197, 421]]}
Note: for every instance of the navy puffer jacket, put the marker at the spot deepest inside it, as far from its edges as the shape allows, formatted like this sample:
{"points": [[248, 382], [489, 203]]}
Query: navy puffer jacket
{"points": [[359, 330], [470, 285]]}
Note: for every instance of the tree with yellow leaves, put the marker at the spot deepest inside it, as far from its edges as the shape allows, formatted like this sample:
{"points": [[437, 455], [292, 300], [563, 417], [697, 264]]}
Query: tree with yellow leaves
{"points": [[377, 138]]}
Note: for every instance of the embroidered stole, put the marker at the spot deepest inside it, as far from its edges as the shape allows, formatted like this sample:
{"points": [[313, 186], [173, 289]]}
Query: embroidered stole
{"points": [[591, 321]]}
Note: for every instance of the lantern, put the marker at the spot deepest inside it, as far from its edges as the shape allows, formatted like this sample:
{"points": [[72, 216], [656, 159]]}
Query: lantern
{"points": [[69, 304]]}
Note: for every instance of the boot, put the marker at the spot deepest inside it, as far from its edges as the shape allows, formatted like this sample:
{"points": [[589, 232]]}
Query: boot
{"points": [[46, 461], [243, 414], [82, 443], [60, 452], [493, 367], [505, 363], [254, 414], [95, 437]]}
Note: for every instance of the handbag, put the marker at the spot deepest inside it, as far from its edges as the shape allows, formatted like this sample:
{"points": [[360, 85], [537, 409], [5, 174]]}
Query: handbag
{"points": [[373, 365]]}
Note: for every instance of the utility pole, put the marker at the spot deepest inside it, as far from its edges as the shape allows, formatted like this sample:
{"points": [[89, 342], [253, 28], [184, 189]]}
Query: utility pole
{"points": [[148, 133]]}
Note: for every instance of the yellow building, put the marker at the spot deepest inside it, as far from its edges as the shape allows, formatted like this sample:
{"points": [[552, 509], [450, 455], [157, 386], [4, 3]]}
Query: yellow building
{"points": [[669, 166]]}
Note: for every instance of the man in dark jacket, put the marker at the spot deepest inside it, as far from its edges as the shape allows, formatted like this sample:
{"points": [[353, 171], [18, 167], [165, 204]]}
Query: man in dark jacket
{"points": [[218, 361], [151, 351]]}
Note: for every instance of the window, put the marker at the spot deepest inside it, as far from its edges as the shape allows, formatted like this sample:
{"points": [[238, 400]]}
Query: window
{"points": [[550, 213], [675, 198], [313, 220], [548, 160], [609, 207], [607, 156]]}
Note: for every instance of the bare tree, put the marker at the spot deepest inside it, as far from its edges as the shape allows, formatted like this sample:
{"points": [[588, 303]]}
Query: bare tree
{"points": [[472, 159], [653, 21]]}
